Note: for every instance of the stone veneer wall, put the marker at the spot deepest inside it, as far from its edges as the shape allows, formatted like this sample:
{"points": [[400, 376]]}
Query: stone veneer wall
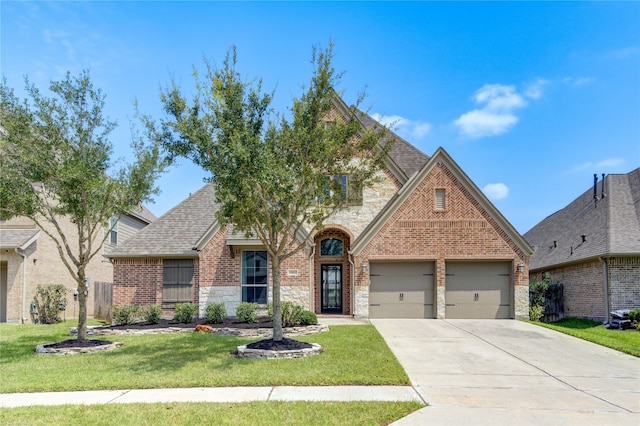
{"points": [[462, 231]]}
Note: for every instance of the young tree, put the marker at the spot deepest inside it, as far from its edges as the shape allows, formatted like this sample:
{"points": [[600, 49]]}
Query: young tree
{"points": [[272, 174], [55, 158]]}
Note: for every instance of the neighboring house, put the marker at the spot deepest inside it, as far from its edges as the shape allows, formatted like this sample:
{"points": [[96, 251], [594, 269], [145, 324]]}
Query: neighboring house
{"points": [[28, 257], [423, 242], [592, 247]]}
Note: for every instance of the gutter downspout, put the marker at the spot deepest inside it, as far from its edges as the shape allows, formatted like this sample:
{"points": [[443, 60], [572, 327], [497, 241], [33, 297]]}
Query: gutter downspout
{"points": [[24, 283], [607, 314]]}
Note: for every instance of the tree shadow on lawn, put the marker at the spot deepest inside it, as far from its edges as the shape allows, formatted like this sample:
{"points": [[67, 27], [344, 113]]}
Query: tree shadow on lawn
{"points": [[170, 353], [13, 348]]}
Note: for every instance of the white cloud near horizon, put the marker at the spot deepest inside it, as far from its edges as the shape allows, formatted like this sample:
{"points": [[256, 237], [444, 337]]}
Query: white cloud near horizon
{"points": [[496, 191], [410, 129], [497, 114], [609, 162]]}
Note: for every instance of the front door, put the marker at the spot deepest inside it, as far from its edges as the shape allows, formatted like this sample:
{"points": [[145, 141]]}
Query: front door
{"points": [[331, 283]]}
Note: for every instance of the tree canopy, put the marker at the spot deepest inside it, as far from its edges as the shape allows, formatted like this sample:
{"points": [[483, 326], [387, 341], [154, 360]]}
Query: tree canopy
{"points": [[276, 175], [57, 163]]}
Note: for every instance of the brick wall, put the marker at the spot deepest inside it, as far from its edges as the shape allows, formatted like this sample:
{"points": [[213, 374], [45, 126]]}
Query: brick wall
{"points": [[624, 283], [462, 231], [583, 289]]}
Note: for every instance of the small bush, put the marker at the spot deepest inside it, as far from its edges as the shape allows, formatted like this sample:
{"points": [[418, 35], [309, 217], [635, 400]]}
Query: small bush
{"points": [[49, 300], [290, 314], [247, 312], [152, 313], [184, 312], [307, 318], [635, 315], [215, 313], [124, 315], [536, 312]]}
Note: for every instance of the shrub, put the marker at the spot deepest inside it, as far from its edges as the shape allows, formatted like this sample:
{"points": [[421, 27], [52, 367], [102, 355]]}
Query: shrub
{"points": [[247, 312], [215, 313], [634, 315], [536, 312], [290, 314], [49, 301], [184, 312], [124, 315], [307, 318], [152, 313]]}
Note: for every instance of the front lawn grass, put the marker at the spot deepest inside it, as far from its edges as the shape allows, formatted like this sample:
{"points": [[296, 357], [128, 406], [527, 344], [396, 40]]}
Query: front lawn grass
{"points": [[253, 413], [627, 341], [353, 355]]}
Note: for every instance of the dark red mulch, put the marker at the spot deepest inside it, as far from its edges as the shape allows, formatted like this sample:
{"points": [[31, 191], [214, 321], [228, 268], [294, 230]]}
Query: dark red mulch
{"points": [[282, 345], [75, 343]]}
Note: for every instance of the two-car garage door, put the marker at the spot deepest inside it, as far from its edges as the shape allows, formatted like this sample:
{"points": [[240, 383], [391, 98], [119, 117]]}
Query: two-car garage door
{"points": [[472, 290]]}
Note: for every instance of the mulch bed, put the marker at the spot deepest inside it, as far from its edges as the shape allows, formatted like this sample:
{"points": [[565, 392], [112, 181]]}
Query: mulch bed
{"points": [[263, 322], [76, 343]]}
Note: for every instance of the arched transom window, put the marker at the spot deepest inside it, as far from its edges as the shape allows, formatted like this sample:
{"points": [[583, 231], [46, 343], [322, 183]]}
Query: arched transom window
{"points": [[331, 247]]}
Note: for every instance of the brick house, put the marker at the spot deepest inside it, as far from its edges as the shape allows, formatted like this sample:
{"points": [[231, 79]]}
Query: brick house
{"points": [[592, 247], [423, 242], [28, 257]]}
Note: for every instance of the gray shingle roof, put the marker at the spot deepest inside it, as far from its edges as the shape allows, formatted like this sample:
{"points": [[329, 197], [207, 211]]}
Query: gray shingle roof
{"points": [[17, 238], [610, 227], [189, 224], [406, 156], [177, 232]]}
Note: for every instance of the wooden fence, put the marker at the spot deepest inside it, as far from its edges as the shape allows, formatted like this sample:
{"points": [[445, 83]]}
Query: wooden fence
{"points": [[102, 300]]}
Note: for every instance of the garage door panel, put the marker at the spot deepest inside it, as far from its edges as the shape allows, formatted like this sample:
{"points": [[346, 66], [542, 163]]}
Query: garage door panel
{"points": [[478, 290], [401, 290]]}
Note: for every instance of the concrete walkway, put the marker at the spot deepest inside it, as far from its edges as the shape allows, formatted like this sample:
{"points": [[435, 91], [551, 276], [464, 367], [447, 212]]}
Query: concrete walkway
{"points": [[492, 372], [224, 394]]}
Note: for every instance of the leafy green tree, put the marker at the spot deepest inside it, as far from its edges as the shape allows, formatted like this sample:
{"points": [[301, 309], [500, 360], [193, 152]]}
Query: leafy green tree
{"points": [[55, 157], [272, 172]]}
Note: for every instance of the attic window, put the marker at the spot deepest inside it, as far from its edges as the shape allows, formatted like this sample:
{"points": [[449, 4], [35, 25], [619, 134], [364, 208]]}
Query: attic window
{"points": [[440, 199]]}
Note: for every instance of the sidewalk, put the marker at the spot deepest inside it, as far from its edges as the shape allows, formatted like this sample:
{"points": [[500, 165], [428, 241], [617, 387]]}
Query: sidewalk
{"points": [[222, 394]]}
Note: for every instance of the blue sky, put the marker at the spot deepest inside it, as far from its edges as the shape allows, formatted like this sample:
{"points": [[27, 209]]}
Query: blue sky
{"points": [[530, 99]]}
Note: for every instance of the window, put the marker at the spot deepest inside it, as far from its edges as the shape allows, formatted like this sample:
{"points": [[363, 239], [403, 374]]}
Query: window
{"points": [[440, 199], [177, 282], [254, 276], [347, 190], [331, 247], [113, 225]]}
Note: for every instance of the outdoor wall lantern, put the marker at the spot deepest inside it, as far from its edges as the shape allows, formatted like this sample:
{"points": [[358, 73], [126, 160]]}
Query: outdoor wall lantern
{"points": [[520, 268], [364, 267]]}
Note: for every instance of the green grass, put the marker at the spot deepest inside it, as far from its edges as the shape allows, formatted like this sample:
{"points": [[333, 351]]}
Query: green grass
{"points": [[353, 355], [253, 413], [627, 341]]}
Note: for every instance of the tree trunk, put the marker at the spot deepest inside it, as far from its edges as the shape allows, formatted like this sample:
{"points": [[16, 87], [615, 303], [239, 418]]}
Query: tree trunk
{"points": [[82, 302], [277, 315]]}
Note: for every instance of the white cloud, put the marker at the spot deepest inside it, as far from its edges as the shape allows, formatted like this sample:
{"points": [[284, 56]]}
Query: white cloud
{"points": [[626, 52], [609, 162], [580, 81], [496, 191], [497, 115], [534, 88], [406, 128]]}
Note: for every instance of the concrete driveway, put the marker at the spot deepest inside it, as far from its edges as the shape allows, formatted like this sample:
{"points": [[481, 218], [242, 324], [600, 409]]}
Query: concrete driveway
{"points": [[513, 373]]}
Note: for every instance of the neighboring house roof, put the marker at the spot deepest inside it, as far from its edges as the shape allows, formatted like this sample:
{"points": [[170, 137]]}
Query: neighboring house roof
{"points": [[611, 226], [143, 214], [400, 197], [178, 232], [18, 238]]}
